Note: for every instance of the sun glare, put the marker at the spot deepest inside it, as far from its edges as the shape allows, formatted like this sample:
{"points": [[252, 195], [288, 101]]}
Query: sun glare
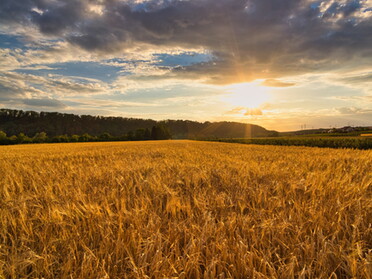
{"points": [[249, 95]]}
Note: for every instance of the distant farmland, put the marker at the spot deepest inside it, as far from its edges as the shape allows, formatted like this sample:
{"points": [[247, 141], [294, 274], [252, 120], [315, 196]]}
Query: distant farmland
{"points": [[184, 209], [363, 141]]}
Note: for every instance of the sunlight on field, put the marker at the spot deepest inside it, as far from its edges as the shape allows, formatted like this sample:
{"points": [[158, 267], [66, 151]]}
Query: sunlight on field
{"points": [[184, 209]]}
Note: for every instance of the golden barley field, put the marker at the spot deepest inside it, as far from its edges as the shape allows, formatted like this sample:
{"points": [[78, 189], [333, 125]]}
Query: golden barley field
{"points": [[184, 209]]}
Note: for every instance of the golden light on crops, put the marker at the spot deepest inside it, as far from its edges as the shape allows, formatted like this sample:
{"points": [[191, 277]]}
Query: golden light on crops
{"points": [[249, 95], [183, 209]]}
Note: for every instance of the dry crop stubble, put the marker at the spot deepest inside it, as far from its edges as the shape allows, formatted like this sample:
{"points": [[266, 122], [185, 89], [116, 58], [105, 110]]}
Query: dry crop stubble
{"points": [[184, 209]]}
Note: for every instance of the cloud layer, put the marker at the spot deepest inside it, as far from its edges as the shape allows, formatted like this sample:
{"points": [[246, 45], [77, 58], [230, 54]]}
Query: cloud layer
{"points": [[249, 39], [173, 58]]}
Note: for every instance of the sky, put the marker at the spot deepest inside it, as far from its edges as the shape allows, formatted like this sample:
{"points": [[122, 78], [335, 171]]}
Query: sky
{"points": [[282, 64]]}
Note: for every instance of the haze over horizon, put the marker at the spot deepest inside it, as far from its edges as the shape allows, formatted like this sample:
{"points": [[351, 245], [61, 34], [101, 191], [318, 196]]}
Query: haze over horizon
{"points": [[278, 64]]}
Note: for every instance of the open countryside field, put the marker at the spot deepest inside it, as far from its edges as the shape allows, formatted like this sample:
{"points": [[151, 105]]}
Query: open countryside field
{"points": [[184, 209], [363, 142]]}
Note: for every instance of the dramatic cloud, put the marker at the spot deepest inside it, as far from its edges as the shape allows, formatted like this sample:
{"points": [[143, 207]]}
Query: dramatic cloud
{"points": [[164, 58], [249, 38], [13, 84]]}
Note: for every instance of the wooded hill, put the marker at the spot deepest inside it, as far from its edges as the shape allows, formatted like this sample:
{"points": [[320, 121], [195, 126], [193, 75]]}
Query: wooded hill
{"points": [[13, 122]]}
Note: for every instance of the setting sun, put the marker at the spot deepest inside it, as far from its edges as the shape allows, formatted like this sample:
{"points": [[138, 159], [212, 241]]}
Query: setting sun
{"points": [[249, 95]]}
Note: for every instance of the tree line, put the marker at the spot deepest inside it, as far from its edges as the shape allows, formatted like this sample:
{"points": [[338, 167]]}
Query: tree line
{"points": [[158, 132], [26, 126]]}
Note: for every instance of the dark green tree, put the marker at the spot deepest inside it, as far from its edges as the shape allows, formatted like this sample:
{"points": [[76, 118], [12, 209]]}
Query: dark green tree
{"points": [[105, 137], [85, 137], [139, 134], [3, 135], [40, 137], [130, 135], [74, 138], [147, 135], [160, 132], [22, 138]]}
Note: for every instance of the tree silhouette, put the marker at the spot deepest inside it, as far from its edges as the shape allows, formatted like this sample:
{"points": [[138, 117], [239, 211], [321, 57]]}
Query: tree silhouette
{"points": [[160, 132]]}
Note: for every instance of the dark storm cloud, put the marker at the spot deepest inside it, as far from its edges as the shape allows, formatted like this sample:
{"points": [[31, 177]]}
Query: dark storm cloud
{"points": [[52, 17], [249, 38], [59, 17]]}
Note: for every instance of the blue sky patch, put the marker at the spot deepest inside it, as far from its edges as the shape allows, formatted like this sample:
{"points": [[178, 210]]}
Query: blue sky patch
{"points": [[94, 70], [315, 5], [184, 59], [11, 42]]}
